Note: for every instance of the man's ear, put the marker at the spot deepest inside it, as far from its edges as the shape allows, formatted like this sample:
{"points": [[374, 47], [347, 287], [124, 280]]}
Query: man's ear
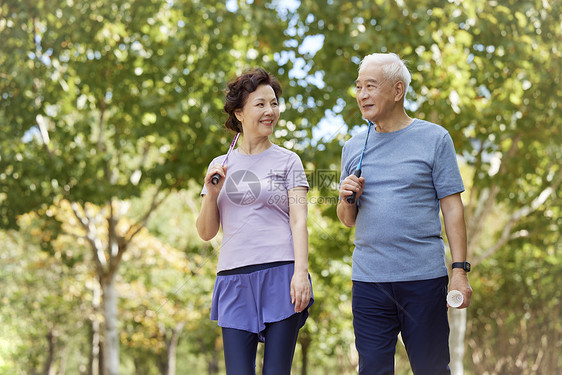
{"points": [[399, 91]]}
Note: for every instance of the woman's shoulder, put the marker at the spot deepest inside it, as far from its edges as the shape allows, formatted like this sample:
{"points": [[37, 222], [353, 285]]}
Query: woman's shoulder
{"points": [[282, 151], [217, 159]]}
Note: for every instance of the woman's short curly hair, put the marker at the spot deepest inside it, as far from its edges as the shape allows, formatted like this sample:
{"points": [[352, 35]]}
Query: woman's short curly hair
{"points": [[239, 90]]}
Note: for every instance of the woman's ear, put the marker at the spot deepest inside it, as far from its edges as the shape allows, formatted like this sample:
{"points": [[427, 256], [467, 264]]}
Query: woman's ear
{"points": [[239, 115]]}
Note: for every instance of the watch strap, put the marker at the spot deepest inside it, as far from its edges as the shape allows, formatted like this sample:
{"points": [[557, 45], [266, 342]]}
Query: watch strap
{"points": [[464, 265]]}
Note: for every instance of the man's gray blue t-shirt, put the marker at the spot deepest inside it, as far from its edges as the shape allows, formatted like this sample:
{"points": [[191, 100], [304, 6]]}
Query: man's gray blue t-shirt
{"points": [[398, 228]]}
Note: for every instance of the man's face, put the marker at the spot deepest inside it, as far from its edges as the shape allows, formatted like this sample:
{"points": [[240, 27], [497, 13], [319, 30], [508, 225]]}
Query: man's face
{"points": [[374, 93]]}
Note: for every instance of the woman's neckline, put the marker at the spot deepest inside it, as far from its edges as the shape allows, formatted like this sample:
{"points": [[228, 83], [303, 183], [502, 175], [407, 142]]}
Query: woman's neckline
{"points": [[239, 150]]}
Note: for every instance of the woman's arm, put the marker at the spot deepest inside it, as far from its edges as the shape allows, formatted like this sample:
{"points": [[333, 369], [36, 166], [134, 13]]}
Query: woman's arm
{"points": [[208, 221], [298, 210]]}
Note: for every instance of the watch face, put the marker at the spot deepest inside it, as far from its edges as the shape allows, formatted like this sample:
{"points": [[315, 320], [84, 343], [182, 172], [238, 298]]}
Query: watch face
{"points": [[466, 266]]}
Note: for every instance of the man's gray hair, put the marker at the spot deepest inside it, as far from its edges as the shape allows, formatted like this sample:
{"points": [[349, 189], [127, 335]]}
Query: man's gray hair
{"points": [[392, 66]]}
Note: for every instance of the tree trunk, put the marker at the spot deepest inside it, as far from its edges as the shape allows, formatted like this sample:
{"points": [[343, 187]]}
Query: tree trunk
{"points": [[172, 347], [305, 343], [457, 320], [49, 368], [213, 367], [553, 353], [94, 360], [63, 361], [111, 338]]}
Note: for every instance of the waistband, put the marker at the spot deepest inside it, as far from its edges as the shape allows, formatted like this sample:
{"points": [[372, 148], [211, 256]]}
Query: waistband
{"points": [[253, 268]]}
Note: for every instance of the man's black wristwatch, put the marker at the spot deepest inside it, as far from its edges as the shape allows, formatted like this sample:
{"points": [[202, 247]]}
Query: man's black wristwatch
{"points": [[464, 265]]}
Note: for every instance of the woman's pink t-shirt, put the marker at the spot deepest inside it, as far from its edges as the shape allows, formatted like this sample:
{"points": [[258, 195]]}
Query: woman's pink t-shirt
{"points": [[254, 207]]}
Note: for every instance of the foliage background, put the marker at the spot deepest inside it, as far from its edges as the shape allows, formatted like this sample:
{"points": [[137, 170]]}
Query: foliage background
{"points": [[110, 112]]}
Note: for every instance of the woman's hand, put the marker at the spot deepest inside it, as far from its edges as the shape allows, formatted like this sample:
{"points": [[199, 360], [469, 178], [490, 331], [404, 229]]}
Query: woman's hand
{"points": [[214, 190], [300, 291], [208, 221]]}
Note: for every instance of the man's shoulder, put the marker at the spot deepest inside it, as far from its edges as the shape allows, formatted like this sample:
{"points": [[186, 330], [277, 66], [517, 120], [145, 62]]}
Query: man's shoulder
{"points": [[430, 128], [356, 138]]}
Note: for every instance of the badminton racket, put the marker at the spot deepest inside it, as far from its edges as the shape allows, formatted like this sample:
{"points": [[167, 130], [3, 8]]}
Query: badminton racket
{"points": [[216, 177], [351, 198]]}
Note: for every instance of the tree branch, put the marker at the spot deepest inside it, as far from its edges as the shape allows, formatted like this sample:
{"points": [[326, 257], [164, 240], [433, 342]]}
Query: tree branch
{"points": [[136, 228], [524, 211], [486, 204], [91, 235], [483, 209]]}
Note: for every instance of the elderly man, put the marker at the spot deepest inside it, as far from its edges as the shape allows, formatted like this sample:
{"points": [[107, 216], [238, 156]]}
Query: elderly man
{"points": [[400, 277]]}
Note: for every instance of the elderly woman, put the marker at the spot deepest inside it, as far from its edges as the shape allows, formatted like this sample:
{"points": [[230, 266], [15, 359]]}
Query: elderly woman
{"points": [[263, 289]]}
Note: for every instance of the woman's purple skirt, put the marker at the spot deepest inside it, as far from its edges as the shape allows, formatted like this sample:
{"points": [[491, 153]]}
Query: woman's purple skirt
{"points": [[248, 301]]}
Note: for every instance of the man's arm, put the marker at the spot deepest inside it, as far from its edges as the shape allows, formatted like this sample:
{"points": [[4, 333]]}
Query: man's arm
{"points": [[455, 228], [347, 212]]}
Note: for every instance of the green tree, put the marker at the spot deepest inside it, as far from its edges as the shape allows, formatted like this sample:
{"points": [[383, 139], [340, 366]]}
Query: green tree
{"points": [[167, 287], [46, 302], [103, 100], [487, 71]]}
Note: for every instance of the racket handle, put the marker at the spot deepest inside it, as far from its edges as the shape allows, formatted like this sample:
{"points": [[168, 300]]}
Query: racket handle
{"points": [[351, 198], [215, 179]]}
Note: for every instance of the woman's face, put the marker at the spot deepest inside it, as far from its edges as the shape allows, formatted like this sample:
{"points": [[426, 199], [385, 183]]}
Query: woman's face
{"points": [[260, 113]]}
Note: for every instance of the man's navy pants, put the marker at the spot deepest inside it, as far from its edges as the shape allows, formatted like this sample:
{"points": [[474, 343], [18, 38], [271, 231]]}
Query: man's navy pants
{"points": [[417, 309]]}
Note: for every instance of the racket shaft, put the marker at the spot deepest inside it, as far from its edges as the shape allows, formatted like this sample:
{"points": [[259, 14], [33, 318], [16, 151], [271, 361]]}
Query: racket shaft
{"points": [[216, 177]]}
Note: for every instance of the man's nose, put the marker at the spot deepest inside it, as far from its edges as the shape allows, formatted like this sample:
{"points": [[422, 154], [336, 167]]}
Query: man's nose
{"points": [[362, 94]]}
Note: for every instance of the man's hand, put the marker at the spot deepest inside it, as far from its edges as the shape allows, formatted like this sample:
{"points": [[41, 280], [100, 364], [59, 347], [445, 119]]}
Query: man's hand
{"points": [[459, 281], [352, 184]]}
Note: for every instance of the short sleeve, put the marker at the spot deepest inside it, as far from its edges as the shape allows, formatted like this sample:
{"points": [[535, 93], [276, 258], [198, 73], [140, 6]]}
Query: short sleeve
{"points": [[296, 176], [344, 164], [446, 174]]}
